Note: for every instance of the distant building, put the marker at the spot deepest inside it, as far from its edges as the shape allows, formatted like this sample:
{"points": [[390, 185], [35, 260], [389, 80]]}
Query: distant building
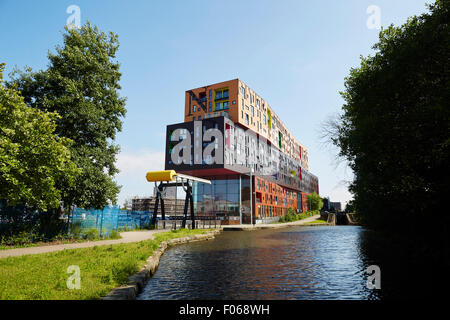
{"points": [[326, 204], [170, 192], [336, 206], [172, 206]]}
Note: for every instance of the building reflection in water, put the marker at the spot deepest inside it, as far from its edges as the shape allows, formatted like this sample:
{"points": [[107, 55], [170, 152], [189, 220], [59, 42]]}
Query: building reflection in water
{"points": [[293, 263]]}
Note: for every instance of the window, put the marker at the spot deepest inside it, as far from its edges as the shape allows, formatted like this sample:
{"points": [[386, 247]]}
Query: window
{"points": [[253, 111], [210, 106], [222, 105], [194, 108], [221, 94], [257, 103], [242, 114], [210, 94], [246, 119], [243, 91]]}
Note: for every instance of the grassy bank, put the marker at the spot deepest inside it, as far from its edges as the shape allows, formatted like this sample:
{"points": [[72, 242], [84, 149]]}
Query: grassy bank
{"points": [[44, 276], [291, 216], [318, 221]]}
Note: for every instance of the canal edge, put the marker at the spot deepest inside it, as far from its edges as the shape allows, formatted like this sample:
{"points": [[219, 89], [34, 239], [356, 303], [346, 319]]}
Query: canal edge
{"points": [[298, 223], [137, 282]]}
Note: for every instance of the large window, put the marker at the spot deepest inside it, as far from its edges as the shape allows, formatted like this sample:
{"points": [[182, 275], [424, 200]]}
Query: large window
{"points": [[222, 105], [221, 94], [219, 198]]}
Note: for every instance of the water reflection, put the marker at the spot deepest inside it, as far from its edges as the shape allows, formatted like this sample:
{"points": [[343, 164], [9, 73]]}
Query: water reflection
{"points": [[294, 263]]}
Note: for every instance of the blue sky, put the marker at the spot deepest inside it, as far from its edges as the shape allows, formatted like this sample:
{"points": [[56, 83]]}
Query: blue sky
{"points": [[295, 54]]}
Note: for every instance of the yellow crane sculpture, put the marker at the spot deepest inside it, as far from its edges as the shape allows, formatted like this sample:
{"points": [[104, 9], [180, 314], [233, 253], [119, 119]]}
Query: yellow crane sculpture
{"points": [[170, 178]]}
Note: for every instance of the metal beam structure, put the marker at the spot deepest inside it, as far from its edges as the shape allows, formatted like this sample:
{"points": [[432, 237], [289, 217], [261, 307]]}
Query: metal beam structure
{"points": [[165, 179]]}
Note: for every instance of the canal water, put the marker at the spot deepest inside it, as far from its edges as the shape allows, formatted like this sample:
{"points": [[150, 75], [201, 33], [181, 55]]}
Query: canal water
{"points": [[324, 262]]}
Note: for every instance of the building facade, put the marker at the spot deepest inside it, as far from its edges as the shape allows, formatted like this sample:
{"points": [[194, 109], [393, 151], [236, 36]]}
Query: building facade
{"points": [[172, 205], [232, 137]]}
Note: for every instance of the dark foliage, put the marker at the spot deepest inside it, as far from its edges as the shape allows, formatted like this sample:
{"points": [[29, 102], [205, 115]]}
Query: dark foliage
{"points": [[394, 132]]}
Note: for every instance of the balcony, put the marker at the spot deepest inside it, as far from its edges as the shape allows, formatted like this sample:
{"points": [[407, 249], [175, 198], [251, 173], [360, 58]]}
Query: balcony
{"points": [[221, 95]]}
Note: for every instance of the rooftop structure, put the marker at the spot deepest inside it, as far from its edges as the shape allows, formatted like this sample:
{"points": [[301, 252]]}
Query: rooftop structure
{"points": [[237, 101]]}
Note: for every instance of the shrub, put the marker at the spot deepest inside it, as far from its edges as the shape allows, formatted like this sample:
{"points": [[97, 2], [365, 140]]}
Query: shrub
{"points": [[91, 234], [290, 216], [114, 235]]}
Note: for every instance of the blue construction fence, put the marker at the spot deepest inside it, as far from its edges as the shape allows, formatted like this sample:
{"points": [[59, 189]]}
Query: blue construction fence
{"points": [[109, 219]]}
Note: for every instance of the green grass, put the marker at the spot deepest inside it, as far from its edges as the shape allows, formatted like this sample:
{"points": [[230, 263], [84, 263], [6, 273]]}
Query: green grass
{"points": [[318, 221], [44, 276]]}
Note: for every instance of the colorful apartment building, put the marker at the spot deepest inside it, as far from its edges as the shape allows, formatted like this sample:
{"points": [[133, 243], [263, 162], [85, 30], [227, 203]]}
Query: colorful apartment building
{"points": [[233, 137]]}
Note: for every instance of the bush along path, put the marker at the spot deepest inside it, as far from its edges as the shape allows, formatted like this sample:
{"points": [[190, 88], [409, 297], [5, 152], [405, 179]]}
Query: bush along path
{"points": [[85, 273], [292, 216]]}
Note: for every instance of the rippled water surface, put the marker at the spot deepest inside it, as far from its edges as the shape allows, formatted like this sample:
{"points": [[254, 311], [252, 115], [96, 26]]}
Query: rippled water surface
{"points": [[291, 263]]}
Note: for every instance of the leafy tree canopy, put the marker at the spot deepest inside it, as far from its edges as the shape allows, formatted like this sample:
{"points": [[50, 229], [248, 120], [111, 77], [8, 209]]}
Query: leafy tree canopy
{"points": [[82, 85], [395, 126], [314, 201], [33, 159]]}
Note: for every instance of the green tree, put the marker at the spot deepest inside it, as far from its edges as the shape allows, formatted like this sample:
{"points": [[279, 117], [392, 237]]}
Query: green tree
{"points": [[314, 202], [395, 126], [82, 85], [33, 159]]}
